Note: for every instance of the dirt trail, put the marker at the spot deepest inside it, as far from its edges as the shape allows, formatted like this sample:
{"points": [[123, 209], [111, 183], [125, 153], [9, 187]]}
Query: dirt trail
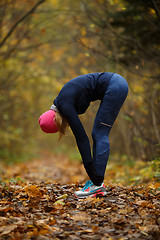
{"points": [[55, 169], [37, 202]]}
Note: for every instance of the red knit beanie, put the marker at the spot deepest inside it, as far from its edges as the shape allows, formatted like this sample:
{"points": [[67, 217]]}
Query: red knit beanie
{"points": [[47, 122]]}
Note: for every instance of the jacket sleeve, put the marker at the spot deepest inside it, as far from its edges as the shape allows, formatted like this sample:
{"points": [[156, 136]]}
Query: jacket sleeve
{"points": [[68, 111]]}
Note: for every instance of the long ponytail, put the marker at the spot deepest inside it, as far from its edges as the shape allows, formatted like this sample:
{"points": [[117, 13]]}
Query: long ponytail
{"points": [[62, 124]]}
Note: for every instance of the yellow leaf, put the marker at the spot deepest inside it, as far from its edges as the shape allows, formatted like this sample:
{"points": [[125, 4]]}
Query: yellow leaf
{"points": [[54, 2], [138, 89], [59, 204], [84, 70], [62, 196], [30, 226], [43, 231]]}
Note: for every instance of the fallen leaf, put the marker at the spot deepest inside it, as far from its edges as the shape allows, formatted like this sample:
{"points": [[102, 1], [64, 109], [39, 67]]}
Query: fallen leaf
{"points": [[8, 229], [141, 203], [95, 229], [33, 191], [62, 196], [59, 202]]}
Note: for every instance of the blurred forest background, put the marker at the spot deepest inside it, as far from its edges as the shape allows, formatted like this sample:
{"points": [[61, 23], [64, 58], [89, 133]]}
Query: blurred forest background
{"points": [[45, 43]]}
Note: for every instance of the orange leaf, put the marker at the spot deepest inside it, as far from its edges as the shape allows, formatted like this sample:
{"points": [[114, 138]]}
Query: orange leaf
{"points": [[157, 185], [95, 229], [33, 191]]}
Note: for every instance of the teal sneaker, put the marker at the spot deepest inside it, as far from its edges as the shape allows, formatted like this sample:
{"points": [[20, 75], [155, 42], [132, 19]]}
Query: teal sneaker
{"points": [[91, 190]]}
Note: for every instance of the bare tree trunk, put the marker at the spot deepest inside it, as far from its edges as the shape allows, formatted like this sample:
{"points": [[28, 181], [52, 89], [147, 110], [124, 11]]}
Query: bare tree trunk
{"points": [[156, 130]]}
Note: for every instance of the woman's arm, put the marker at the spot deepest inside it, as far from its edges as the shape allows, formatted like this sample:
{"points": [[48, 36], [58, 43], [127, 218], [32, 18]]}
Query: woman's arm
{"points": [[68, 110]]}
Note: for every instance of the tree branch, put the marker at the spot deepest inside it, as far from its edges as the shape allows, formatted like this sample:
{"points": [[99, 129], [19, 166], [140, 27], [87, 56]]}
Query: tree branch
{"points": [[156, 5], [19, 21]]}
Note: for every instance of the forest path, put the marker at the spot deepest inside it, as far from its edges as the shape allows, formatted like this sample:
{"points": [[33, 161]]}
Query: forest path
{"points": [[37, 202]]}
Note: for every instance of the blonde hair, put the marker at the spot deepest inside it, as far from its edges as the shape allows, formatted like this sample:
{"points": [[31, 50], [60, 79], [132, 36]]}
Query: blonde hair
{"points": [[62, 124]]}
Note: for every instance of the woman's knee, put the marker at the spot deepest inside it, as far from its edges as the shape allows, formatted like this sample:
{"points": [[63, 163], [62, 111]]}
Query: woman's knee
{"points": [[96, 133], [101, 132]]}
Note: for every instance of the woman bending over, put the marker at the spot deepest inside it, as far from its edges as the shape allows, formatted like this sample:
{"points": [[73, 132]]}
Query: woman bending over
{"points": [[73, 100]]}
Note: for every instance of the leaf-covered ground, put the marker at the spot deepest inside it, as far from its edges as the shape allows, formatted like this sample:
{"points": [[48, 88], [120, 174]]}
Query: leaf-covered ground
{"points": [[37, 202]]}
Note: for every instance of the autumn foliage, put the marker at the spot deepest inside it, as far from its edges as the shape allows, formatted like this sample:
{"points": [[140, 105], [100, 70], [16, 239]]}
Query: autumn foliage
{"points": [[43, 44], [34, 206]]}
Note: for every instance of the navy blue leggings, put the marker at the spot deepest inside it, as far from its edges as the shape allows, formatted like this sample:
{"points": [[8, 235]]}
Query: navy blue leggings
{"points": [[108, 110]]}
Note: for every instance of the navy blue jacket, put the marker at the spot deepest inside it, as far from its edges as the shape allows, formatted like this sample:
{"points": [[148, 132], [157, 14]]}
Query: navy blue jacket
{"points": [[74, 99]]}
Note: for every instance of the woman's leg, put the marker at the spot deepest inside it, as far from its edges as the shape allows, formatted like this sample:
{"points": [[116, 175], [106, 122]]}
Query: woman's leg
{"points": [[105, 118]]}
